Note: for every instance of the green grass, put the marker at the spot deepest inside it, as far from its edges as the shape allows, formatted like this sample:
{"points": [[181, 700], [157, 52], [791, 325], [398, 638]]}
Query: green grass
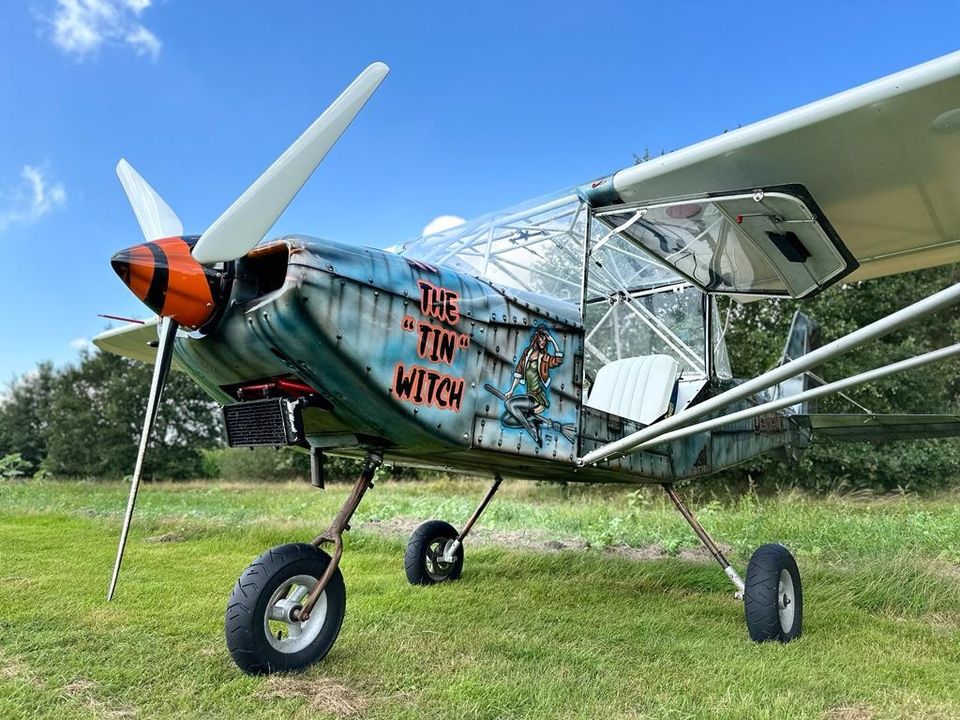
{"points": [[573, 634]]}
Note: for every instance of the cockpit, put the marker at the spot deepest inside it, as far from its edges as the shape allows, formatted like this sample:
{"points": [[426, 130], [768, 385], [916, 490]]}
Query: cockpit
{"points": [[643, 280]]}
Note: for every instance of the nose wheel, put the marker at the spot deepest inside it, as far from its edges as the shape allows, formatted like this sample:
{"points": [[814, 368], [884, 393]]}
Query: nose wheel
{"points": [[286, 609], [263, 631]]}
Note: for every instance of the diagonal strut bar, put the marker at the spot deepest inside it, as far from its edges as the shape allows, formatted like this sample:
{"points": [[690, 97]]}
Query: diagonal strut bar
{"points": [[884, 326]]}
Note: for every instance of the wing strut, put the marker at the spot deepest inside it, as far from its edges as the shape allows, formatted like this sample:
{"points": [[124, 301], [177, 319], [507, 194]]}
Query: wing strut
{"points": [[828, 389], [660, 431]]}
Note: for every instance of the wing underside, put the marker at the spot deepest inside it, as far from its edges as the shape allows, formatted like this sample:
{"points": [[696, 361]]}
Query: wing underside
{"points": [[882, 161], [882, 428]]}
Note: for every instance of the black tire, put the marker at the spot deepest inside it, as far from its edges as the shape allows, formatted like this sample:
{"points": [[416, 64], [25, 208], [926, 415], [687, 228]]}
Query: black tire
{"points": [[247, 624], [424, 547], [773, 596]]}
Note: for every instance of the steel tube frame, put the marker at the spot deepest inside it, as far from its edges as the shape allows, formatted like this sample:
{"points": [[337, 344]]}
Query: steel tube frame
{"points": [[687, 353], [475, 234], [828, 389], [938, 301]]}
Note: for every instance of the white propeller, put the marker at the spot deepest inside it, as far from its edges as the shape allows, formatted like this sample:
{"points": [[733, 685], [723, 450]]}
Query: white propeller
{"points": [[156, 218], [243, 224], [234, 233], [168, 332]]}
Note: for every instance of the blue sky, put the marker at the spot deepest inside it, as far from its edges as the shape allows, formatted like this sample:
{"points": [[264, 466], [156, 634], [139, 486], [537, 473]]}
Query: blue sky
{"points": [[488, 104]]}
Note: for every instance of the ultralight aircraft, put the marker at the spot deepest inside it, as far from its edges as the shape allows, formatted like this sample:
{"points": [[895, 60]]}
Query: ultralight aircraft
{"points": [[574, 338]]}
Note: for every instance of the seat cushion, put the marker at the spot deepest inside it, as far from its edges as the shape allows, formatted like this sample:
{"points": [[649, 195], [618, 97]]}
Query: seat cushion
{"points": [[637, 388]]}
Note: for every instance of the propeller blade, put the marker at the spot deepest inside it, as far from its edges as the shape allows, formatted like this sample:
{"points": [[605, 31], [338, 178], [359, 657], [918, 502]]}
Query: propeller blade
{"points": [[243, 225], [168, 332], [156, 218]]}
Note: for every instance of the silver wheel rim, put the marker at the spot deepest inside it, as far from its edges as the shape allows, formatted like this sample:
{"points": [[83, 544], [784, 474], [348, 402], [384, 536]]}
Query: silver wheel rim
{"points": [[786, 601], [285, 634], [437, 569]]}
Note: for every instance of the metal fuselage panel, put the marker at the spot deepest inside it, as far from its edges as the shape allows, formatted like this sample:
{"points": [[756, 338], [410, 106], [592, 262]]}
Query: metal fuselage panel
{"points": [[438, 369]]}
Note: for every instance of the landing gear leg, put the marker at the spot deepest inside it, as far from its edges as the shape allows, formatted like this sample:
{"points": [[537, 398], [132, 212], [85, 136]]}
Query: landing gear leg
{"points": [[286, 609], [772, 595], [435, 550], [706, 539], [334, 533]]}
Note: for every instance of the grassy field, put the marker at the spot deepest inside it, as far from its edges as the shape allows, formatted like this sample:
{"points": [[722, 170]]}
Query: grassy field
{"points": [[587, 631]]}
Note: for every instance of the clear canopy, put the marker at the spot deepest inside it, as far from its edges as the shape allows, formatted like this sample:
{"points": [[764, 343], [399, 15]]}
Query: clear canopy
{"points": [[537, 248], [632, 303]]}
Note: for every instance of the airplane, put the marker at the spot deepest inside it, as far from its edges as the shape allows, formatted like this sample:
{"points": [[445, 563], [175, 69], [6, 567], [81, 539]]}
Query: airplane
{"points": [[576, 337]]}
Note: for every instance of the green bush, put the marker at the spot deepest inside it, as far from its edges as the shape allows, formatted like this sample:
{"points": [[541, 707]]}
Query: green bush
{"points": [[267, 463], [263, 463], [85, 419], [13, 466]]}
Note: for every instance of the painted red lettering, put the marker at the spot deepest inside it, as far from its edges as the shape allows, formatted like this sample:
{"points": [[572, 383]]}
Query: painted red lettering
{"points": [[439, 303], [422, 386]]}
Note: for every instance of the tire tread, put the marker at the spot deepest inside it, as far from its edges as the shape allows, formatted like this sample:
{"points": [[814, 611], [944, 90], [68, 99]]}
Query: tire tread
{"points": [[251, 652], [761, 587]]}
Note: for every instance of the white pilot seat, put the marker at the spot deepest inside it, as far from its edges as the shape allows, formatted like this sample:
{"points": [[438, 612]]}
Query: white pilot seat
{"points": [[637, 388]]}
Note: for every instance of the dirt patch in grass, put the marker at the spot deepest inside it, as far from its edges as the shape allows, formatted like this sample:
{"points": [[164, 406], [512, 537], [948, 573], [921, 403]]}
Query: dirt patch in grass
{"points": [[943, 622], [849, 712], [13, 668], [84, 692], [951, 569], [170, 537], [527, 540], [324, 694], [79, 688], [543, 541], [656, 551]]}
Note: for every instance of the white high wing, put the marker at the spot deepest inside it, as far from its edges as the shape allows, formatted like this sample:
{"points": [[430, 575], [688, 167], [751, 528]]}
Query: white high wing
{"points": [[882, 161]]}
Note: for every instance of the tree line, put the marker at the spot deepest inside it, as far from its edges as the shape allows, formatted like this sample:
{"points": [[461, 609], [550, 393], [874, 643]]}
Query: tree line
{"points": [[84, 420], [755, 340]]}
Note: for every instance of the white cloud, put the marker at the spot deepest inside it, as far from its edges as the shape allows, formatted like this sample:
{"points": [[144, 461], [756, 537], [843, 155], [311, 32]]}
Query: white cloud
{"points": [[35, 196], [441, 223], [80, 344], [81, 27], [144, 42]]}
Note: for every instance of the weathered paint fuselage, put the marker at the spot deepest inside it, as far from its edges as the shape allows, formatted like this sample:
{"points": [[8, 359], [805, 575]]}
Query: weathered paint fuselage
{"points": [[427, 364]]}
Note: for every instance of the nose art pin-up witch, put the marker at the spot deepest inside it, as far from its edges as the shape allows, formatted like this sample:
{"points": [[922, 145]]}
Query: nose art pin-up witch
{"points": [[533, 369], [533, 372]]}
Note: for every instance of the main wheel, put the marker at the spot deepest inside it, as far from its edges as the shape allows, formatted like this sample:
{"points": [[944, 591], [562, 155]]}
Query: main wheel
{"points": [[262, 635], [773, 597], [426, 548]]}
